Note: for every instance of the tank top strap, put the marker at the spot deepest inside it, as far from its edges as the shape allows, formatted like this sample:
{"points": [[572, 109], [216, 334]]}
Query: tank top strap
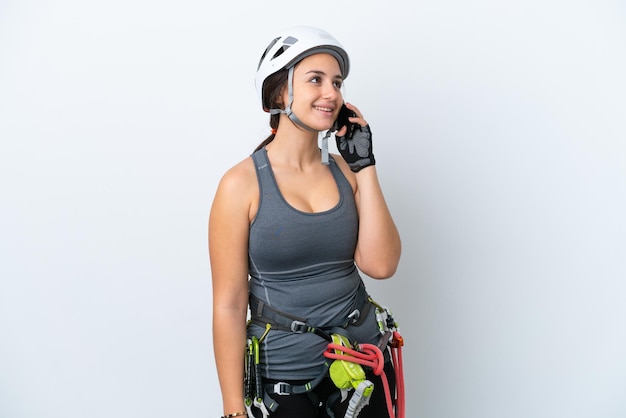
{"points": [[264, 173]]}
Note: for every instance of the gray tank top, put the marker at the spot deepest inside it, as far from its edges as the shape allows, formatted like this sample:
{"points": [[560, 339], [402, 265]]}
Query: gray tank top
{"points": [[303, 264]]}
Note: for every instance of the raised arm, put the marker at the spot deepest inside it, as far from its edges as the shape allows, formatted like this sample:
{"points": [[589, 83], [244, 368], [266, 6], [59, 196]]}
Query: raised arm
{"points": [[379, 247]]}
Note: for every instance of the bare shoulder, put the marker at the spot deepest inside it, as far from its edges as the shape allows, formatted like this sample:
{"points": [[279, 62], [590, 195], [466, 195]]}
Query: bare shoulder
{"points": [[238, 188], [239, 181], [239, 177]]}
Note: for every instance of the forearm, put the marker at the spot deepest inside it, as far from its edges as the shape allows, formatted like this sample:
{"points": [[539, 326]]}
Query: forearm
{"points": [[229, 340], [379, 246]]}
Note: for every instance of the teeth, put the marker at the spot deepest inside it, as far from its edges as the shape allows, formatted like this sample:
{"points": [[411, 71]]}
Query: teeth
{"points": [[324, 109]]}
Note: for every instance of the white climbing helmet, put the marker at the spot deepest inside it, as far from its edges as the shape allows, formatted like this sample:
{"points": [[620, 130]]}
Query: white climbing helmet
{"points": [[291, 46]]}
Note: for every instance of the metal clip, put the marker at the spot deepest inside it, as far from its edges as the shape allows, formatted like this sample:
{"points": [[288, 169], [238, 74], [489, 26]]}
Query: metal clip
{"points": [[354, 316], [278, 388], [298, 327]]}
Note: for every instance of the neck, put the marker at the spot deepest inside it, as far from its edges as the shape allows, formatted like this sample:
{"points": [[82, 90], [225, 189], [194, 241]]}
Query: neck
{"points": [[295, 149]]}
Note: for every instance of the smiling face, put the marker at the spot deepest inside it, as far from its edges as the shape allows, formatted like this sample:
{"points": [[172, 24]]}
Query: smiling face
{"points": [[317, 94]]}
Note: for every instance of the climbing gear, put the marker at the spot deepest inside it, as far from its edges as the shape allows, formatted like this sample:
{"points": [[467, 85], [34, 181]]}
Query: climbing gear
{"points": [[357, 149], [253, 386], [284, 52], [256, 394], [346, 368], [266, 315], [249, 392], [360, 398], [263, 314], [258, 386], [372, 356], [388, 328], [346, 375], [291, 46]]}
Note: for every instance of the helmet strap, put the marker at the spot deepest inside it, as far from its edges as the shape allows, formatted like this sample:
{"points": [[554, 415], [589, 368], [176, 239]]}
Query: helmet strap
{"points": [[287, 111], [325, 146], [292, 116]]}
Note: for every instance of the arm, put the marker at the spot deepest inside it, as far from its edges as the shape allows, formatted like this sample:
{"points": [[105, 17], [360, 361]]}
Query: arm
{"points": [[378, 249], [228, 251]]}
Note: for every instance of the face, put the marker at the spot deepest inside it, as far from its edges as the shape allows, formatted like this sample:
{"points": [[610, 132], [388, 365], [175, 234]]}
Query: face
{"points": [[317, 94]]}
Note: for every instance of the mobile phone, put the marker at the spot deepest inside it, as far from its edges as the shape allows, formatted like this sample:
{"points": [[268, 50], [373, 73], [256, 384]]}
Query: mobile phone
{"points": [[342, 120]]}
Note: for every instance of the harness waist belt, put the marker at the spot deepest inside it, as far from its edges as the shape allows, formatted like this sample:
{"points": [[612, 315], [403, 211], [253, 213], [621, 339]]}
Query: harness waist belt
{"points": [[262, 314]]}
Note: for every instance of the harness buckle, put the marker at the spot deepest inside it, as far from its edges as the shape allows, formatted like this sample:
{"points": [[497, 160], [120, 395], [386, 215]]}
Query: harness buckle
{"points": [[354, 316], [299, 327], [282, 388]]}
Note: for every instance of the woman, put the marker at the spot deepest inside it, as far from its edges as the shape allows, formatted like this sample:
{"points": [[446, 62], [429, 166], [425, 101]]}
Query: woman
{"points": [[289, 231]]}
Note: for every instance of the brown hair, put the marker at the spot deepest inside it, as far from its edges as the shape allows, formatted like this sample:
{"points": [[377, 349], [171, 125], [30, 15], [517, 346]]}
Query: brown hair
{"points": [[273, 88]]}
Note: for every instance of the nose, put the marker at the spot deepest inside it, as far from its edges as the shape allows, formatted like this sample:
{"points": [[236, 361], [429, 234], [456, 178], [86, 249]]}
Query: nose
{"points": [[330, 90]]}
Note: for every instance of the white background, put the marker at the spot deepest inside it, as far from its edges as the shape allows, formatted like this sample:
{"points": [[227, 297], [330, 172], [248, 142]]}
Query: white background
{"points": [[499, 133]]}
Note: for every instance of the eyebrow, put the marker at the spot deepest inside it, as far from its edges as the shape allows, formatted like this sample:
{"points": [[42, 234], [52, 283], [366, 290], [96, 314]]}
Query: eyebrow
{"points": [[318, 72]]}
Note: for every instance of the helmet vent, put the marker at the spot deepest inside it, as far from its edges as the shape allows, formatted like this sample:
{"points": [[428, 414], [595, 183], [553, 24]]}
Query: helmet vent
{"points": [[280, 51], [287, 42], [266, 51]]}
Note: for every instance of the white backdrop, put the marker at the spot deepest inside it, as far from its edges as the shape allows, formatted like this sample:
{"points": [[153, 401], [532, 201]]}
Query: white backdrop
{"points": [[499, 134]]}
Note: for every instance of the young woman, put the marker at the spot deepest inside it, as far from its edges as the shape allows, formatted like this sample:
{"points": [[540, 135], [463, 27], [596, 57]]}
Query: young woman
{"points": [[288, 228]]}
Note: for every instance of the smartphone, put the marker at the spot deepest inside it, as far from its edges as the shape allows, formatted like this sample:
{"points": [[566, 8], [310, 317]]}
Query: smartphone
{"points": [[342, 120]]}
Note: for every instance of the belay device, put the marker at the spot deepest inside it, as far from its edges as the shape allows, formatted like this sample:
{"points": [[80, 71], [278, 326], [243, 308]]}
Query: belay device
{"points": [[347, 361]]}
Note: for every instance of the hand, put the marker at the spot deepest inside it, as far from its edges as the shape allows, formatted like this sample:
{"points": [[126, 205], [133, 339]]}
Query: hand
{"points": [[356, 148]]}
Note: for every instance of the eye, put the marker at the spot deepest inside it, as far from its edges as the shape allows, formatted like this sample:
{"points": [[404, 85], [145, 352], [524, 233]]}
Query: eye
{"points": [[338, 83], [315, 79]]}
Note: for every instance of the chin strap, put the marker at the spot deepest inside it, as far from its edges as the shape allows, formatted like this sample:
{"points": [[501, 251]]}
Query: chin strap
{"points": [[325, 146], [287, 111], [292, 116]]}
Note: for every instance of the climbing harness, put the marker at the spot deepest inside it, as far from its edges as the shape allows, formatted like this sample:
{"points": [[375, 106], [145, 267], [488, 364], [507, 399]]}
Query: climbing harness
{"points": [[346, 360]]}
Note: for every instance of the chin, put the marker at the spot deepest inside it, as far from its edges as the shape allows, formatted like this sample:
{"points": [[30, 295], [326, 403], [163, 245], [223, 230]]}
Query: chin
{"points": [[323, 127]]}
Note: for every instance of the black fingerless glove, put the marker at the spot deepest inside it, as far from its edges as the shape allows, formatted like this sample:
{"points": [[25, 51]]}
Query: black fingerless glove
{"points": [[356, 149]]}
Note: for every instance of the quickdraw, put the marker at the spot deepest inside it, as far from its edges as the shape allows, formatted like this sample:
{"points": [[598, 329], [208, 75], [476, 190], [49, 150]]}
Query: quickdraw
{"points": [[253, 387]]}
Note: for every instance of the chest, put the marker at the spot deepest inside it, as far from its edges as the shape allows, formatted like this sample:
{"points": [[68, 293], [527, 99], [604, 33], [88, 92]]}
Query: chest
{"points": [[306, 192]]}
